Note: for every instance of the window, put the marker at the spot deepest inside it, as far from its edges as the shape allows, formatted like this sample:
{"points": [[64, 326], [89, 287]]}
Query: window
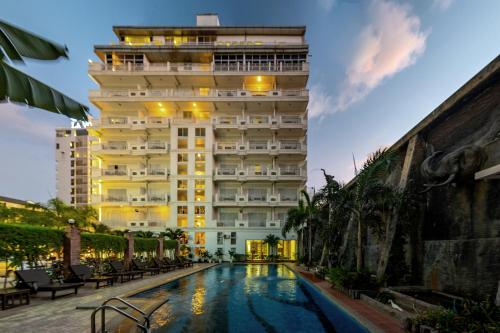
{"points": [[182, 195], [233, 238], [182, 132], [199, 210], [182, 183], [199, 184], [199, 167], [199, 238], [182, 221], [187, 115], [182, 168], [182, 210], [220, 238], [199, 195], [57, 146], [204, 91], [120, 59], [228, 62], [206, 39], [199, 132], [182, 141]]}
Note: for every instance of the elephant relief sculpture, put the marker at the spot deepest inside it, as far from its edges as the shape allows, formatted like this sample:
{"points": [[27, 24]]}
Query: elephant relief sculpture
{"points": [[440, 169]]}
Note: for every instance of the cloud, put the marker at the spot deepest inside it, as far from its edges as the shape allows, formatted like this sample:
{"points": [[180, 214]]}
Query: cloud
{"points": [[320, 102], [19, 124], [391, 41], [442, 4], [326, 4]]}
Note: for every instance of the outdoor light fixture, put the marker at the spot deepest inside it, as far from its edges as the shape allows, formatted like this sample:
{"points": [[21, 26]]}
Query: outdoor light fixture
{"points": [[194, 104], [160, 105], [259, 78], [71, 221]]}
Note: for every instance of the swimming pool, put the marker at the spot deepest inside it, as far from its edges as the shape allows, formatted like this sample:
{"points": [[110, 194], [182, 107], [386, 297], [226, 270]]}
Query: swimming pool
{"points": [[246, 298]]}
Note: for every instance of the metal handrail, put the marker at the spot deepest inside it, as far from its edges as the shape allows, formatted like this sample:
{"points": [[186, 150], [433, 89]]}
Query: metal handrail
{"points": [[102, 308]]}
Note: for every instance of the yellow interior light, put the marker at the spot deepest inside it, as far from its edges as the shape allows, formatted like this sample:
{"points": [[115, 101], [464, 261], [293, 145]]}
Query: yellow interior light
{"points": [[259, 78], [162, 110], [194, 104], [160, 105]]}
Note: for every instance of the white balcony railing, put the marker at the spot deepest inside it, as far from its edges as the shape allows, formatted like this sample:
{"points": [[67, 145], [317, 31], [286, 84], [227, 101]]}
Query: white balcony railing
{"points": [[200, 67], [260, 147], [195, 93], [152, 147]]}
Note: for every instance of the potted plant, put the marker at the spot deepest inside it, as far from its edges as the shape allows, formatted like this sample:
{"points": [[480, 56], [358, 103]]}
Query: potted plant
{"points": [[219, 254], [232, 255]]}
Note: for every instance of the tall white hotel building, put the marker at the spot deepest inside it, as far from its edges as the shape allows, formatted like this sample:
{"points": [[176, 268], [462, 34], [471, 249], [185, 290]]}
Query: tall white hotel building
{"points": [[202, 128]]}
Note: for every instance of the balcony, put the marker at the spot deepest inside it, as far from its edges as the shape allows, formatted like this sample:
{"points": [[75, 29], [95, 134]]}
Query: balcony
{"points": [[148, 200], [208, 95], [260, 147], [255, 198], [187, 68], [134, 148], [145, 174], [133, 123]]}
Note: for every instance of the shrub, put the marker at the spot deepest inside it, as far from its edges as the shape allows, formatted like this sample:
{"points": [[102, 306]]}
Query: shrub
{"points": [[341, 277], [473, 316], [29, 243], [99, 245], [145, 245], [338, 276], [169, 244]]}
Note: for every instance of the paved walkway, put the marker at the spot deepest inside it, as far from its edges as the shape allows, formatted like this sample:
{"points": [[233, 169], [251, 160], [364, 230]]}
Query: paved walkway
{"points": [[61, 315], [373, 319]]}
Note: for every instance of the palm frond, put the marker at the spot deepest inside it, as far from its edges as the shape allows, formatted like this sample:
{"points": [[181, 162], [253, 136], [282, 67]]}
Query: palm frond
{"points": [[16, 86], [18, 43]]}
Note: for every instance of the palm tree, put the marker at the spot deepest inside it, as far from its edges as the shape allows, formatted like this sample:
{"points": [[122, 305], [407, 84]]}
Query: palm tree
{"points": [[15, 86], [295, 221], [272, 241], [368, 184], [176, 234], [145, 234]]}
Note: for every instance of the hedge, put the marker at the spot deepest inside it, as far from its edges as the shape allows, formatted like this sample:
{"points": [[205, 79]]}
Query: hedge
{"points": [[169, 244], [145, 245], [100, 244], [20, 243]]}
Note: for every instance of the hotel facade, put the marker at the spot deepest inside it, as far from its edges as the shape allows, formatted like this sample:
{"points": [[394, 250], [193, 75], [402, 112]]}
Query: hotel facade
{"points": [[202, 128]]}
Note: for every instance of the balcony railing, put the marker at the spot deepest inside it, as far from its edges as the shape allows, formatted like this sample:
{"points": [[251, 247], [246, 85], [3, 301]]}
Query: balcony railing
{"points": [[196, 93], [132, 122], [259, 198], [201, 67], [260, 147], [153, 147]]}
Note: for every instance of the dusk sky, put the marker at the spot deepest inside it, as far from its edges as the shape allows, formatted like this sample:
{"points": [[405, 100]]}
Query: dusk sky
{"points": [[377, 68]]}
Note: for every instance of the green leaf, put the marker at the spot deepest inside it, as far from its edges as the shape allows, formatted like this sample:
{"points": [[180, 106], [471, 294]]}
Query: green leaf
{"points": [[21, 88], [18, 43]]}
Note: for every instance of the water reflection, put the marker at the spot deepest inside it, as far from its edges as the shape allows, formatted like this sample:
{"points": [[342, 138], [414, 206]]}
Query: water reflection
{"points": [[198, 300]]}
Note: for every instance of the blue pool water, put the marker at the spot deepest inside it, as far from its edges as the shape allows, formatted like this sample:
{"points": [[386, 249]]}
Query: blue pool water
{"points": [[246, 298]]}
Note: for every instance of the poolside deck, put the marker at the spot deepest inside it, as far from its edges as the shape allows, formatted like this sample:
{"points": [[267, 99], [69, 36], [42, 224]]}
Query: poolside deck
{"points": [[374, 319], [61, 315]]}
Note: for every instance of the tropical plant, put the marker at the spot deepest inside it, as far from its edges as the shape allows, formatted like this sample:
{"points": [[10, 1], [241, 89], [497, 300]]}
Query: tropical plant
{"points": [[301, 219], [102, 245], [219, 254], [144, 234], [18, 87], [272, 241], [367, 188]]}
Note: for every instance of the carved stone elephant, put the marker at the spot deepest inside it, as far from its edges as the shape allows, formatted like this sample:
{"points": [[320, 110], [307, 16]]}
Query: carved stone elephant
{"points": [[440, 169]]}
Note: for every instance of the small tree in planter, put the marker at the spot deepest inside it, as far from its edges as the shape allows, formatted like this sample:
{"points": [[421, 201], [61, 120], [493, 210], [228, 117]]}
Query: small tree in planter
{"points": [[232, 255], [219, 254], [272, 241]]}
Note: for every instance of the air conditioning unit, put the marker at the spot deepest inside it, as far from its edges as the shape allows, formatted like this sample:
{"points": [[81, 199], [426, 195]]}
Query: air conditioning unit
{"points": [[241, 173], [242, 147], [274, 121], [273, 146], [226, 236], [274, 93], [139, 198], [243, 93], [273, 172], [137, 93], [241, 198], [273, 198]]}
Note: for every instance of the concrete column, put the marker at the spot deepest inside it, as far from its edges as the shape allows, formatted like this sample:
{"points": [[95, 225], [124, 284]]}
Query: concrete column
{"points": [[129, 249], [71, 248], [159, 249]]}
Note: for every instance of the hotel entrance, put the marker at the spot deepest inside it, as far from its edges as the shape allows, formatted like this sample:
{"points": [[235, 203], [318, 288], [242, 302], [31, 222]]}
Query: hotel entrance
{"points": [[257, 250]]}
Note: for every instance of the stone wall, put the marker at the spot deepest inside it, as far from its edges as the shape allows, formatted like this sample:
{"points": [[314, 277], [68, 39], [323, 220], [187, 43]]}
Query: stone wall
{"points": [[453, 244]]}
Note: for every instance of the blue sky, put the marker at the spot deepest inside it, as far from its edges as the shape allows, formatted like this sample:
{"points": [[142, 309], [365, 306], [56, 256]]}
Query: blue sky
{"points": [[377, 68]]}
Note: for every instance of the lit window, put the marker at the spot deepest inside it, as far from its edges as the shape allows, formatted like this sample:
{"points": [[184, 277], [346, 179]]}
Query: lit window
{"points": [[199, 238], [199, 157], [182, 210], [204, 91], [199, 184], [182, 221], [199, 210], [199, 195], [182, 132], [182, 183], [181, 195], [199, 143]]}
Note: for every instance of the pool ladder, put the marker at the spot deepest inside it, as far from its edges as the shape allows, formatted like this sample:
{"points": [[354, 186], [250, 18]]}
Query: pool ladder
{"points": [[142, 323]]}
